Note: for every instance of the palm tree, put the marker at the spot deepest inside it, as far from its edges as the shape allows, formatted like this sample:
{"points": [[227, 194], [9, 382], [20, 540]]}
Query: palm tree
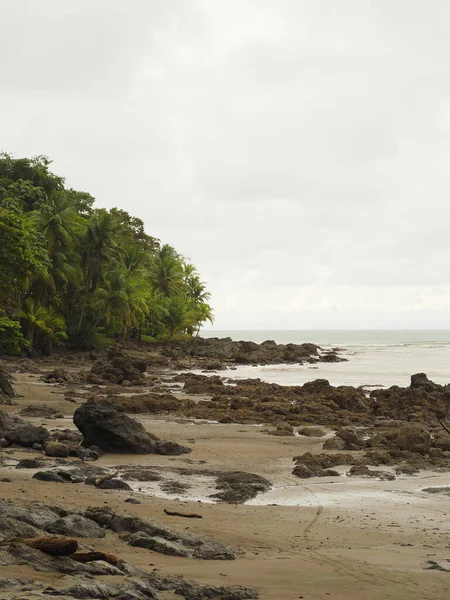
{"points": [[166, 271], [58, 221], [46, 321], [124, 297], [179, 315]]}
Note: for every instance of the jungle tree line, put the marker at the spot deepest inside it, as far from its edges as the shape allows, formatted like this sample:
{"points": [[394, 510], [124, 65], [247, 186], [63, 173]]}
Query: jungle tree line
{"points": [[72, 273]]}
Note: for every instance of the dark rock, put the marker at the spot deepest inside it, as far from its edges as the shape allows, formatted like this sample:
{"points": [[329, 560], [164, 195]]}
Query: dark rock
{"points": [[103, 426], [239, 486], [56, 477], [413, 438], [26, 434], [114, 484], [312, 431], [28, 463], [6, 388]]}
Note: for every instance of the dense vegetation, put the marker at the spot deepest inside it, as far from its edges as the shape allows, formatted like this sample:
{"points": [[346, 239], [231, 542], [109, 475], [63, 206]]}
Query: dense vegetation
{"points": [[74, 274]]}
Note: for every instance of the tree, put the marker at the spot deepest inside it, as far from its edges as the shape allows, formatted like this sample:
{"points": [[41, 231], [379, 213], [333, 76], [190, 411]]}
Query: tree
{"points": [[22, 256]]}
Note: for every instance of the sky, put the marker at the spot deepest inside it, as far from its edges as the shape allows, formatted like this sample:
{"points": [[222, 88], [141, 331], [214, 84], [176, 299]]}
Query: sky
{"points": [[296, 151]]}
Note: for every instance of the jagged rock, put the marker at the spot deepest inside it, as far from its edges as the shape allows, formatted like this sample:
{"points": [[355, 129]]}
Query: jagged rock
{"points": [[118, 368], [103, 426], [76, 525], [364, 471], [25, 434], [239, 486], [413, 438]]}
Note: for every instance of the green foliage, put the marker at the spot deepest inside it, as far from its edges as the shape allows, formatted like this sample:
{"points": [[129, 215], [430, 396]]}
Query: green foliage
{"points": [[73, 273], [11, 338]]}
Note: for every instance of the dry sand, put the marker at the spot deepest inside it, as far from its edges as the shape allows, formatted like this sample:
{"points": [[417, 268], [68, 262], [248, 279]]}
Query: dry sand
{"points": [[341, 538]]}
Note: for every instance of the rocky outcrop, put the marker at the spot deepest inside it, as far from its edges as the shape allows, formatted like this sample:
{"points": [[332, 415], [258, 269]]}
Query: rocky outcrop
{"points": [[119, 369], [164, 538], [238, 487], [102, 425], [422, 401]]}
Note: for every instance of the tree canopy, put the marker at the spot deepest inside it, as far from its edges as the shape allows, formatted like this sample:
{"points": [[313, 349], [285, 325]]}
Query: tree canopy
{"points": [[74, 274]]}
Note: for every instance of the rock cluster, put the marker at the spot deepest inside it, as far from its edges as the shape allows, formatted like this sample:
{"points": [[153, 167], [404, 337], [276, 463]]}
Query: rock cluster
{"points": [[35, 520]]}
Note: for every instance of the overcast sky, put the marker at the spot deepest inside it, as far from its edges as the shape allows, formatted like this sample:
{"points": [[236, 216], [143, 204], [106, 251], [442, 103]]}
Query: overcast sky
{"points": [[297, 151]]}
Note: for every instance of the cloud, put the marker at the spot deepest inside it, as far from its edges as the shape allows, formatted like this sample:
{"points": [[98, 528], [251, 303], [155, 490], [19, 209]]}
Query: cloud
{"points": [[297, 152]]}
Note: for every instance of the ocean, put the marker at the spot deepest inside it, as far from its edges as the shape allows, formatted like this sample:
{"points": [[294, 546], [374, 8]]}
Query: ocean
{"points": [[374, 357]]}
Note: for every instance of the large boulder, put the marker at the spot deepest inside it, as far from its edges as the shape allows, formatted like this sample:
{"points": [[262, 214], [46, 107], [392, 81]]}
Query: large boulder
{"points": [[103, 426], [413, 438]]}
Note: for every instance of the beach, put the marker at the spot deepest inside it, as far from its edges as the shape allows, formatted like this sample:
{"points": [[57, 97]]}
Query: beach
{"points": [[346, 537]]}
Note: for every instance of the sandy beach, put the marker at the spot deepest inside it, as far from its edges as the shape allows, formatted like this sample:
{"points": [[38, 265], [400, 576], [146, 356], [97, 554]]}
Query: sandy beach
{"points": [[314, 539]]}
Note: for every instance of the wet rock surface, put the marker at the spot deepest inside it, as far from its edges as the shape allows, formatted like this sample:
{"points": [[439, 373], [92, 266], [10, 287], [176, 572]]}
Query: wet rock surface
{"points": [[6, 387], [118, 368]]}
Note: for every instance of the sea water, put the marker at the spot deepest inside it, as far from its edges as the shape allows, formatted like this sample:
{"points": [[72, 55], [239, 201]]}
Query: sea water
{"points": [[374, 357]]}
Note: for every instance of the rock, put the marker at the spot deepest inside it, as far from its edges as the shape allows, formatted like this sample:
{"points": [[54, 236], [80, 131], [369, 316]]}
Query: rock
{"points": [[363, 471], [57, 449], [114, 484], [4, 443], [414, 439], [103, 426], [284, 429], [59, 476], [132, 501], [38, 410], [199, 546], [442, 441], [6, 388], [28, 463], [118, 368], [312, 431], [239, 486], [26, 434], [334, 443], [37, 447], [436, 453], [157, 544], [76, 525], [36, 514]]}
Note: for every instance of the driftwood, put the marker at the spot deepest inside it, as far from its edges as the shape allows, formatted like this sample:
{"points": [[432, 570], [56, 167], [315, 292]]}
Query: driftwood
{"points": [[174, 513], [107, 477], [58, 546], [85, 556], [447, 429]]}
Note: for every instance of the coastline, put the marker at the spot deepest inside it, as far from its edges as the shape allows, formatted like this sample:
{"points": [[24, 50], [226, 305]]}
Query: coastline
{"points": [[341, 536]]}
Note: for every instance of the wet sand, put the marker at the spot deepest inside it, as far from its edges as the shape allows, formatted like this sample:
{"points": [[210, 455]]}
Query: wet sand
{"points": [[341, 538]]}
